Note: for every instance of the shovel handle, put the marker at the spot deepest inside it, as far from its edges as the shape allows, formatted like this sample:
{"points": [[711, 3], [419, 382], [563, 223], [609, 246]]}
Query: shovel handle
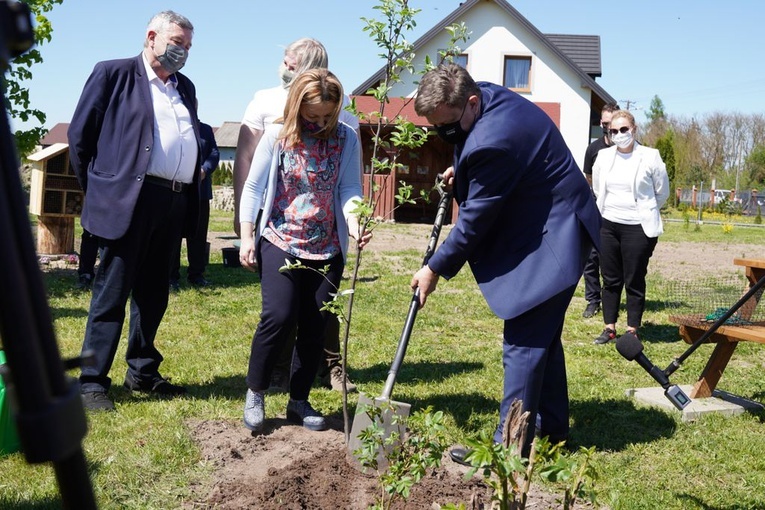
{"points": [[414, 304]]}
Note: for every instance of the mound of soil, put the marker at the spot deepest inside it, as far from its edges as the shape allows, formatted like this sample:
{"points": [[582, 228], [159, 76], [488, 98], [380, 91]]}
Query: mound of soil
{"points": [[288, 467]]}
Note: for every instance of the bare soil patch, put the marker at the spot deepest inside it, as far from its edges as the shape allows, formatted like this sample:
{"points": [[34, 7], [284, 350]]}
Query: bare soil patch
{"points": [[289, 467]]}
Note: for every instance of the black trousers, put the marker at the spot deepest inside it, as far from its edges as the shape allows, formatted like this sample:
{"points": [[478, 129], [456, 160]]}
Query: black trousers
{"points": [[290, 298], [136, 266], [592, 290], [196, 248], [332, 356], [88, 254], [624, 254]]}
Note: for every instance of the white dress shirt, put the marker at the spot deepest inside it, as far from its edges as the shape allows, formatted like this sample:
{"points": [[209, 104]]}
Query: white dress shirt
{"points": [[175, 145]]}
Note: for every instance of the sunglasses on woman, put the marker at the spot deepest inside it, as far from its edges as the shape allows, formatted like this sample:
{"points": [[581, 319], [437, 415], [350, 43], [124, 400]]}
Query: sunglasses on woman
{"points": [[622, 130]]}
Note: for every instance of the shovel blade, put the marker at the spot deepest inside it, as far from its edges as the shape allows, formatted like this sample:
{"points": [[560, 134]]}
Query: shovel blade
{"points": [[390, 420]]}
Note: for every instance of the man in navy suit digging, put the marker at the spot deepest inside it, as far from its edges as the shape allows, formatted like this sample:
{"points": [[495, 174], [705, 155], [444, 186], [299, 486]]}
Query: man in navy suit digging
{"points": [[526, 224]]}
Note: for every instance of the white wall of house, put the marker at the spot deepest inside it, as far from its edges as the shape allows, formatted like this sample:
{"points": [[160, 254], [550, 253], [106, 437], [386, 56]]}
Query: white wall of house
{"points": [[496, 34]]}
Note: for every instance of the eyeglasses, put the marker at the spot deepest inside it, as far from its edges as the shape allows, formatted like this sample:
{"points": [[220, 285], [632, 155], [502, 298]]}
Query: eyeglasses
{"points": [[622, 130], [605, 125]]}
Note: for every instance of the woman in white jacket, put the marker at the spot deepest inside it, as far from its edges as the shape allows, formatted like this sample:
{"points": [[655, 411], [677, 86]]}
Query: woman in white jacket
{"points": [[631, 185]]}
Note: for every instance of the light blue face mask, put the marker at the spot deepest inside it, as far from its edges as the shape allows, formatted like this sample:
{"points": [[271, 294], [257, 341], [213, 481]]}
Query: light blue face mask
{"points": [[174, 57]]}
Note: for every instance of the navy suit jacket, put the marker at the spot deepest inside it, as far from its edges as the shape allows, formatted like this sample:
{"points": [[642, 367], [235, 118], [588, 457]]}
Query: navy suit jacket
{"points": [[111, 137], [527, 219], [210, 158]]}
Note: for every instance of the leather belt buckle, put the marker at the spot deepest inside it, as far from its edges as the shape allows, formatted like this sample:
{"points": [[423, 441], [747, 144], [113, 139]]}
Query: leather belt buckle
{"points": [[177, 186]]}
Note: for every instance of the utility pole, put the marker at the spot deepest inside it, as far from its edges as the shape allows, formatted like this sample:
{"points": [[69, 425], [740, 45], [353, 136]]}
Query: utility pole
{"points": [[627, 103]]}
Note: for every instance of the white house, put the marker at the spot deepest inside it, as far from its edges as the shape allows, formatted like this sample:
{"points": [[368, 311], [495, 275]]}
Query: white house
{"points": [[226, 137], [555, 71]]}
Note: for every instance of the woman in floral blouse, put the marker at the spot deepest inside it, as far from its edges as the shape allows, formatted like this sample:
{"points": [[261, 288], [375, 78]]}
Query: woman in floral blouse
{"points": [[305, 177]]}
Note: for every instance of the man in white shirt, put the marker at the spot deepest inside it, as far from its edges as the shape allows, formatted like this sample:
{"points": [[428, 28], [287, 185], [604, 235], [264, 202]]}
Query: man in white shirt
{"points": [[134, 147]]}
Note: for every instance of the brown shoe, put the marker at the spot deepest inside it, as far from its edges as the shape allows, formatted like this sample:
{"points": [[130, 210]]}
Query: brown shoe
{"points": [[334, 380]]}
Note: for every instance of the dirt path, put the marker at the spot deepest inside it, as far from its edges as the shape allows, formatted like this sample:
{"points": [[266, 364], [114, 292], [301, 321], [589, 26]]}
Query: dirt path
{"points": [[671, 259]]}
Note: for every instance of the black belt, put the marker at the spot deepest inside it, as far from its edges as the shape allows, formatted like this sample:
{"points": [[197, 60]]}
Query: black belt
{"points": [[176, 186]]}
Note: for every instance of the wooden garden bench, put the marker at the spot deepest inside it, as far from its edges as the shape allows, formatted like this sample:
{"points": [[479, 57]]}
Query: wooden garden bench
{"points": [[727, 336]]}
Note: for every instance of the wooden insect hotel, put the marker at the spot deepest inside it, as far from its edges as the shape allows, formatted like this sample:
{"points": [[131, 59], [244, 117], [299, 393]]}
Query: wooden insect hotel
{"points": [[56, 197]]}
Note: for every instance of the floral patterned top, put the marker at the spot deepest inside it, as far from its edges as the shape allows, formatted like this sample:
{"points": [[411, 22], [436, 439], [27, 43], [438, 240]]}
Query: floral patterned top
{"points": [[302, 219]]}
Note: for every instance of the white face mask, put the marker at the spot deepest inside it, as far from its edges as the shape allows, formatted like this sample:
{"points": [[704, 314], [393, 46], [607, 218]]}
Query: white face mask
{"points": [[622, 140]]}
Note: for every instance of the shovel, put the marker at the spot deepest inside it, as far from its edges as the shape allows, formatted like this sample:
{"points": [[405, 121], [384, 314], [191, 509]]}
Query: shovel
{"points": [[392, 413]]}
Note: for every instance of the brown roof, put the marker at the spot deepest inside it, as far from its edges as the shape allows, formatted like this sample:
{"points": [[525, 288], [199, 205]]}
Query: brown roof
{"points": [[57, 134], [404, 106]]}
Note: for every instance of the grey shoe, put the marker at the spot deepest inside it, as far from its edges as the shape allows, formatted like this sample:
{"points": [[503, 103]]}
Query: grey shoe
{"points": [[254, 410], [301, 412], [334, 380]]}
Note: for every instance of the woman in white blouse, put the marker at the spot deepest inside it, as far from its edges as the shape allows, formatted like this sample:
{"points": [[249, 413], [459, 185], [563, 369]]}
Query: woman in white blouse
{"points": [[631, 185]]}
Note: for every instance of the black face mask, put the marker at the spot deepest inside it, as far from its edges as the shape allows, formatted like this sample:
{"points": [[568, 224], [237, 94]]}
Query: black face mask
{"points": [[453, 132]]}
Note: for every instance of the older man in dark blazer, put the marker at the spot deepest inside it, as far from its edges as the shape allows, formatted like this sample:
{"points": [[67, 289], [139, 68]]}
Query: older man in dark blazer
{"points": [[134, 146], [526, 224]]}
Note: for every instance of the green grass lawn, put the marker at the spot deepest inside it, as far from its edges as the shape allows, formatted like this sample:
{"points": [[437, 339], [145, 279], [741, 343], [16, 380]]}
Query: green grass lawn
{"points": [[143, 456]]}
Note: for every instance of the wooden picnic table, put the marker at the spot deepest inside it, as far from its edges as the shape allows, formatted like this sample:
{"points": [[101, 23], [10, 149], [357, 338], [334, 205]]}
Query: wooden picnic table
{"points": [[727, 337]]}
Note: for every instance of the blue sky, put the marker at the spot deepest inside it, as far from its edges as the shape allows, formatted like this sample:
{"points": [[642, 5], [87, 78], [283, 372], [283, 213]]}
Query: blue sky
{"points": [[698, 56]]}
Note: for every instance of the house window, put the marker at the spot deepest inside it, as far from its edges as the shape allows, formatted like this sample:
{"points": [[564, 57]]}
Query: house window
{"points": [[461, 59], [518, 73]]}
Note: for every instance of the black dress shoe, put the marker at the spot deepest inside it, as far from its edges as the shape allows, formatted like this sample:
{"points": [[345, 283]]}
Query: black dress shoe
{"points": [[552, 438], [156, 385], [592, 308], [97, 401], [458, 455], [199, 281]]}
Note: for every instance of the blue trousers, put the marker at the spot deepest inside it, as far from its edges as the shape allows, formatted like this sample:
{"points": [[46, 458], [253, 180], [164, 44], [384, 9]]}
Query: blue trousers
{"points": [[535, 369]]}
